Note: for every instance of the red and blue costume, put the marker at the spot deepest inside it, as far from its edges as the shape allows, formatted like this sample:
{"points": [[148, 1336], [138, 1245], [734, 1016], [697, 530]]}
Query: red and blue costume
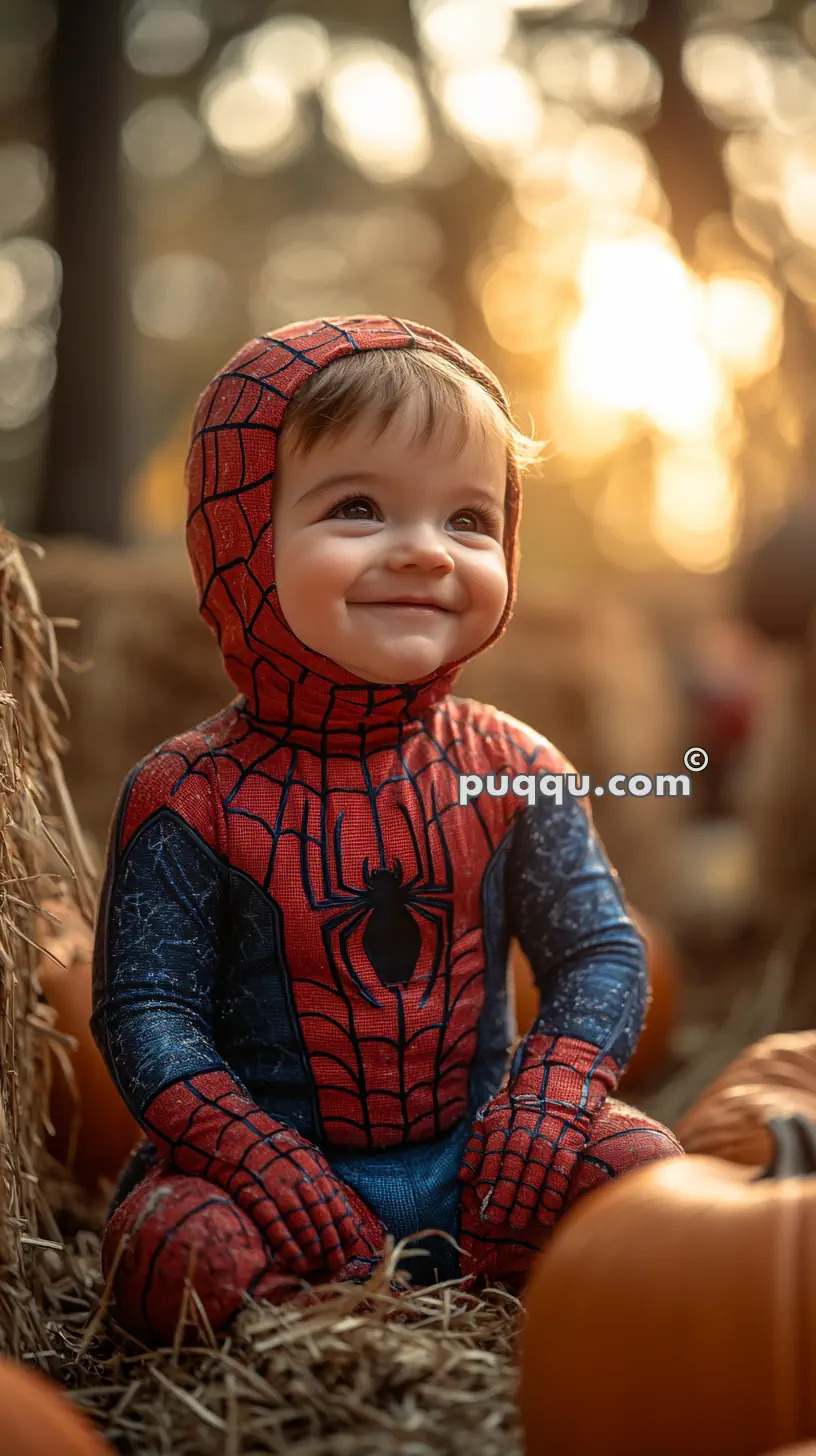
{"points": [[300, 982]]}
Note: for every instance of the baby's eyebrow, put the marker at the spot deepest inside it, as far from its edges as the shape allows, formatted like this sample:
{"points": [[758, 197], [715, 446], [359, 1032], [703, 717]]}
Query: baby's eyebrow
{"points": [[340, 477]]}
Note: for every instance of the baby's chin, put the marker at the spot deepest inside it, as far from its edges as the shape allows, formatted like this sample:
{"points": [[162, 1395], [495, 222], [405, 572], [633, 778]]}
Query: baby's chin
{"points": [[384, 670]]}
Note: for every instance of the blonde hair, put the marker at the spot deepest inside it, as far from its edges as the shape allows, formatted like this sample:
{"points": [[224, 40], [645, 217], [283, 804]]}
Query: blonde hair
{"points": [[380, 382]]}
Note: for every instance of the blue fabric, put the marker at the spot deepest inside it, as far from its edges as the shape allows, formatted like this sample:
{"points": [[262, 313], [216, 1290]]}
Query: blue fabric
{"points": [[411, 1189]]}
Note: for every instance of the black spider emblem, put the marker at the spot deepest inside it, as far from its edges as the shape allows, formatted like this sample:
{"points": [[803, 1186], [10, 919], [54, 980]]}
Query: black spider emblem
{"points": [[390, 906]]}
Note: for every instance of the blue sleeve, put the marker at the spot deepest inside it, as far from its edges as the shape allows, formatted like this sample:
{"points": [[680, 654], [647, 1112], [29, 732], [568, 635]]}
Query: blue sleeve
{"points": [[156, 957], [565, 907]]}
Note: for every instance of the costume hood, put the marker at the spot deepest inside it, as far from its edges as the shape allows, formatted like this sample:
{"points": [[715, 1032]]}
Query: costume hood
{"points": [[230, 482]]}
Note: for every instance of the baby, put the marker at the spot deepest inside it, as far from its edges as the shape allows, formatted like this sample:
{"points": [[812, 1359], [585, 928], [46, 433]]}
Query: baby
{"points": [[301, 954]]}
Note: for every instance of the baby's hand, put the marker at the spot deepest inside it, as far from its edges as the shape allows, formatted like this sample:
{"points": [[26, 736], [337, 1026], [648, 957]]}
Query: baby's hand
{"points": [[521, 1160], [209, 1128], [300, 1206], [526, 1140]]}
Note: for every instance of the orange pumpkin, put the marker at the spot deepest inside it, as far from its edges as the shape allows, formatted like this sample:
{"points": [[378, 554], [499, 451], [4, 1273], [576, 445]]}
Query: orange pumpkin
{"points": [[93, 1130], [663, 1011], [774, 1076], [693, 1276], [36, 1417], [802, 1448], [661, 1017], [526, 995]]}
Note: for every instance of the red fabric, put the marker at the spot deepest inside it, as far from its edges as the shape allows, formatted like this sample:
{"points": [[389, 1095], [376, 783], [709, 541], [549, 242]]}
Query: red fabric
{"points": [[210, 1129], [622, 1139], [175, 1227], [526, 1140], [234, 787]]}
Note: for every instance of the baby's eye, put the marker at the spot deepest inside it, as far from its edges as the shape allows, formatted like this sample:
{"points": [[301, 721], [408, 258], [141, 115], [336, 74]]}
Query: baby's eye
{"points": [[348, 510], [470, 521]]}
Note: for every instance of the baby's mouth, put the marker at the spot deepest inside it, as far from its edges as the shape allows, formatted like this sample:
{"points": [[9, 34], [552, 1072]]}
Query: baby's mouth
{"points": [[405, 605]]}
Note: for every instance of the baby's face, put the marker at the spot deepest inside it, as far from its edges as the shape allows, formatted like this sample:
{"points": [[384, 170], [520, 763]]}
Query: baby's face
{"points": [[388, 551]]}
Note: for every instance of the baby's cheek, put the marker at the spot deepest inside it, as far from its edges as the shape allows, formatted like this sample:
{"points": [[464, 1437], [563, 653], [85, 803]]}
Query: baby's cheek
{"points": [[492, 586]]}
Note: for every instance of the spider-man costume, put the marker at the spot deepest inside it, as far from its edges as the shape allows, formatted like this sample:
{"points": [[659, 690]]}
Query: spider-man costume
{"points": [[300, 982]]}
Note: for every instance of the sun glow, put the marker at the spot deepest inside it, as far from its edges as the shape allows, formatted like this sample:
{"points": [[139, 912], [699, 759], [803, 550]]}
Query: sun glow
{"points": [[635, 347]]}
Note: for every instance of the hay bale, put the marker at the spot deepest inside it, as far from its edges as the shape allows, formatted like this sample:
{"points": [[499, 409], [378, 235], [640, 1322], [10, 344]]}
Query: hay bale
{"points": [[355, 1372], [147, 665], [38, 836]]}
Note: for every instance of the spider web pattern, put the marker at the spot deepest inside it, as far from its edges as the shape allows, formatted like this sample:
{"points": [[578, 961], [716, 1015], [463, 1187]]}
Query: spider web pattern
{"points": [[230, 481], [391, 1064]]}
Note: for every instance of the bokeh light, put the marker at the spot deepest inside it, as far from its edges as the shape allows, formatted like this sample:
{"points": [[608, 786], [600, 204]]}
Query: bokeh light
{"points": [[595, 70], [28, 369], [696, 507], [375, 113], [293, 47], [179, 296], [496, 109], [634, 347], [611, 168], [381, 259], [464, 33], [798, 190], [165, 37], [30, 279], [25, 182], [730, 74], [742, 322], [253, 118], [162, 138]]}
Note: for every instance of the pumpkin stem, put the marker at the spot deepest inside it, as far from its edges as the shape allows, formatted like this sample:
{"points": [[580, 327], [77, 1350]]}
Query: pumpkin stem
{"points": [[794, 1154]]}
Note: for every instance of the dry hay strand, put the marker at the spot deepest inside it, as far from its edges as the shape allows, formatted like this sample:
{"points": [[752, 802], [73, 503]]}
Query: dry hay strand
{"points": [[40, 842], [344, 1369], [347, 1371]]}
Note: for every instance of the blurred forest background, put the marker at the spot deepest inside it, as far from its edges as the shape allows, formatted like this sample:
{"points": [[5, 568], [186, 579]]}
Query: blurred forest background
{"points": [[611, 201]]}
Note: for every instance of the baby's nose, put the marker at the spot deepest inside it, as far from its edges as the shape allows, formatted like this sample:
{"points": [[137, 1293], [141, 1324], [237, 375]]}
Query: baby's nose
{"points": [[421, 545]]}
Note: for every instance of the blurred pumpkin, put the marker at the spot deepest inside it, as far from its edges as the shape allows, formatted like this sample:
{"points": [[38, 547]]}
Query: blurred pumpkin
{"points": [[37, 1417], [664, 982], [663, 1010], [93, 1130], [772, 1077], [802, 1448], [694, 1277], [526, 995]]}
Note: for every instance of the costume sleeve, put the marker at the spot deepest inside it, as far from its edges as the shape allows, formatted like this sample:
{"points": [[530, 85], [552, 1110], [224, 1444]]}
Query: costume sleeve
{"points": [[159, 944], [157, 951], [565, 907]]}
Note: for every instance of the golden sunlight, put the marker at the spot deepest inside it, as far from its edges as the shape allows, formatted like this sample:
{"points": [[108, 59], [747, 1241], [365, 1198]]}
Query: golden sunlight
{"points": [[496, 108], [742, 322], [463, 33], [250, 117], [636, 347], [375, 112], [695, 512]]}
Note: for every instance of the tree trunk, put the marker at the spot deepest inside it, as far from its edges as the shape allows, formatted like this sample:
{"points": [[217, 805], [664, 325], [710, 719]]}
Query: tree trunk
{"points": [[85, 470]]}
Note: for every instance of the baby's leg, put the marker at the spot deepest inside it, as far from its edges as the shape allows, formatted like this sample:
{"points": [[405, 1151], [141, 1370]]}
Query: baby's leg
{"points": [[171, 1227], [622, 1138]]}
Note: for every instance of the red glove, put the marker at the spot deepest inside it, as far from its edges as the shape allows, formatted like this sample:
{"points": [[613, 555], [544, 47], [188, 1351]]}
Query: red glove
{"points": [[209, 1128], [526, 1140]]}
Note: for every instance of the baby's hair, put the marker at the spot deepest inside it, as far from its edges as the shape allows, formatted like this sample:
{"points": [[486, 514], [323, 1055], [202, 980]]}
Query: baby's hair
{"points": [[379, 382]]}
